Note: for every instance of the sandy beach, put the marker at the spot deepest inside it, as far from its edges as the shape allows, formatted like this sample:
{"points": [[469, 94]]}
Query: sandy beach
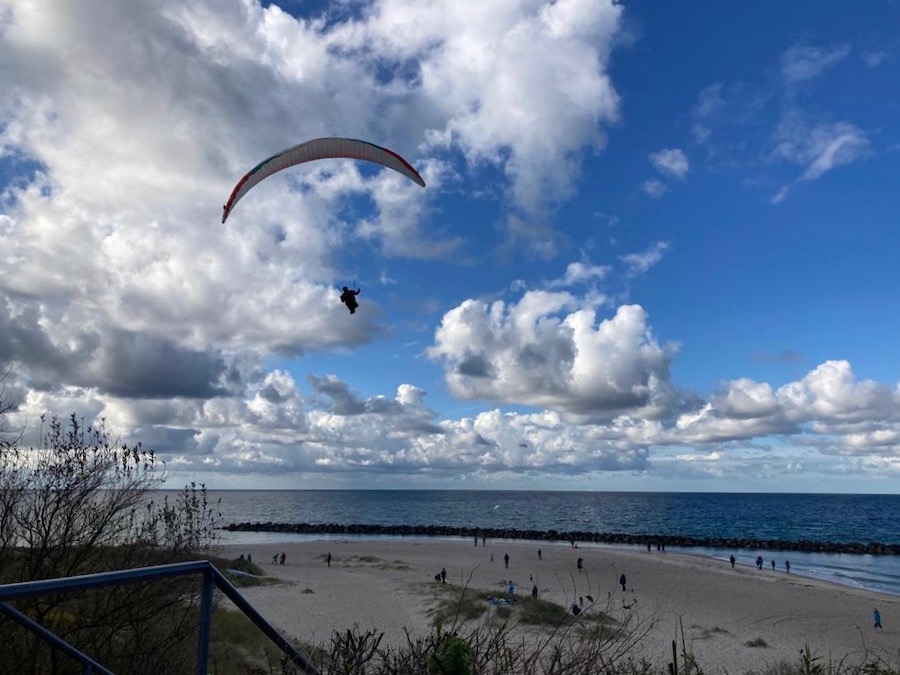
{"points": [[378, 584]]}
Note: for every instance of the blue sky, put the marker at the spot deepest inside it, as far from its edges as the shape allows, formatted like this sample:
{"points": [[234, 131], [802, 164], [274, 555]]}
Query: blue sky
{"points": [[655, 252]]}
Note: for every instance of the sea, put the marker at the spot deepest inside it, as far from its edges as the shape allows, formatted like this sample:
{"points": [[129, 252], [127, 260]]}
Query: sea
{"points": [[793, 517]]}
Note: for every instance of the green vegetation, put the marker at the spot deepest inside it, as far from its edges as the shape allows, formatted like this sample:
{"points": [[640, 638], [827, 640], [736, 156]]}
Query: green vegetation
{"points": [[238, 647], [453, 656], [707, 633], [375, 561], [454, 604], [457, 604], [258, 577]]}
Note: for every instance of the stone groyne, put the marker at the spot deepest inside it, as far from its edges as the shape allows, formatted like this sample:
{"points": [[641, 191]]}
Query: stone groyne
{"points": [[574, 536]]}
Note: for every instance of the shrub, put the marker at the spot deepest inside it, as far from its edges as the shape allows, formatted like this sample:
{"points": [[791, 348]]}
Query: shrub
{"points": [[82, 503]]}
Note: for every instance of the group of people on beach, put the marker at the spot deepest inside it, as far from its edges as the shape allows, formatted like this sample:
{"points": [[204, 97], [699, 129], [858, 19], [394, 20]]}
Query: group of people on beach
{"points": [[760, 562]]}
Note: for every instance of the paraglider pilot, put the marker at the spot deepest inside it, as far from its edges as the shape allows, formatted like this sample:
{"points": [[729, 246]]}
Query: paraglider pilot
{"points": [[348, 297]]}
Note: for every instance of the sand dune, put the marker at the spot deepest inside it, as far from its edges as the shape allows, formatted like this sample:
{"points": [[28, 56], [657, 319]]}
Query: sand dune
{"points": [[378, 584]]}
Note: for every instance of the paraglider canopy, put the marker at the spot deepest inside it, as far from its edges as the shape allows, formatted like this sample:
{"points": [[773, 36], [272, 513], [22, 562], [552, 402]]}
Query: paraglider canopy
{"points": [[320, 148]]}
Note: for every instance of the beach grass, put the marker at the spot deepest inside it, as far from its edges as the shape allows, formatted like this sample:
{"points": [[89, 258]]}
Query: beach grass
{"points": [[253, 574], [238, 647], [454, 604]]}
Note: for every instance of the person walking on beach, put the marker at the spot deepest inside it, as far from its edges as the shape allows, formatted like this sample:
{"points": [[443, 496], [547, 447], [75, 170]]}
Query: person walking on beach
{"points": [[534, 592], [281, 558], [773, 565], [443, 575], [506, 560], [580, 564], [787, 566], [622, 581], [876, 615], [759, 562], [732, 560], [328, 559], [539, 555]]}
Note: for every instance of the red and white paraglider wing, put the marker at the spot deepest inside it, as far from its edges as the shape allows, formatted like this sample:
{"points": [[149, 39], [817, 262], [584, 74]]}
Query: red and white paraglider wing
{"points": [[320, 148]]}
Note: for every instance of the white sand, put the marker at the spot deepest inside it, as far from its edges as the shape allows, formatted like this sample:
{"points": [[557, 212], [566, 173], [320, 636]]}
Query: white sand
{"points": [[720, 609]]}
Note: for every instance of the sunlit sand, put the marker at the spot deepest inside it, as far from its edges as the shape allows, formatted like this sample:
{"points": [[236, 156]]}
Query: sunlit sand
{"points": [[378, 584]]}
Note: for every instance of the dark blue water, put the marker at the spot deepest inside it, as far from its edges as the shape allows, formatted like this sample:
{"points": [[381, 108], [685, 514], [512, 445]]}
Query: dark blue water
{"points": [[839, 518], [815, 517]]}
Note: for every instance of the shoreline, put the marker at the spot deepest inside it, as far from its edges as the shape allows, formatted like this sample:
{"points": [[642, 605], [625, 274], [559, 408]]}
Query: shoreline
{"points": [[868, 571], [383, 584], [713, 555], [580, 536]]}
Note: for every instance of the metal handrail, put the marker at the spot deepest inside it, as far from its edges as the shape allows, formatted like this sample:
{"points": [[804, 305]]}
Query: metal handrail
{"points": [[212, 578]]}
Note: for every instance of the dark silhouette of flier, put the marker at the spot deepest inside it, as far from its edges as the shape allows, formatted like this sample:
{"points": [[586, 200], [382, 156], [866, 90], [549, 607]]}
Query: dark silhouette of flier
{"points": [[348, 297]]}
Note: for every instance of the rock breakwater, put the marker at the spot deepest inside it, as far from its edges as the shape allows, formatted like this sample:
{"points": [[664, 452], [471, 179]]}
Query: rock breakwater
{"points": [[876, 548]]}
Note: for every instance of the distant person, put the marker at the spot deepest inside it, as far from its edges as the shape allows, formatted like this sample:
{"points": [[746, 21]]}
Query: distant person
{"points": [[476, 540], [506, 560], [876, 615], [443, 575], [512, 587], [580, 564], [534, 592], [787, 566], [281, 558], [622, 581], [539, 554], [759, 562], [242, 556], [648, 548], [773, 565], [492, 556], [328, 559], [249, 557], [576, 610], [484, 540], [275, 559], [732, 560]]}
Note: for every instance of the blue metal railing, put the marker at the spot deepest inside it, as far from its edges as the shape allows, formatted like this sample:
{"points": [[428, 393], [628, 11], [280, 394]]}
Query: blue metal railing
{"points": [[212, 579]]}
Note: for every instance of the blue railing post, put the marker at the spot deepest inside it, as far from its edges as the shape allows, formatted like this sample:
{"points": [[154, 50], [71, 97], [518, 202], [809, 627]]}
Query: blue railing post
{"points": [[206, 607]]}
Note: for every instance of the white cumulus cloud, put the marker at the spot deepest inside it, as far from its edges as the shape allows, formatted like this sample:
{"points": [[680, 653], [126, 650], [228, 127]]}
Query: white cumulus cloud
{"points": [[672, 162], [547, 351]]}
